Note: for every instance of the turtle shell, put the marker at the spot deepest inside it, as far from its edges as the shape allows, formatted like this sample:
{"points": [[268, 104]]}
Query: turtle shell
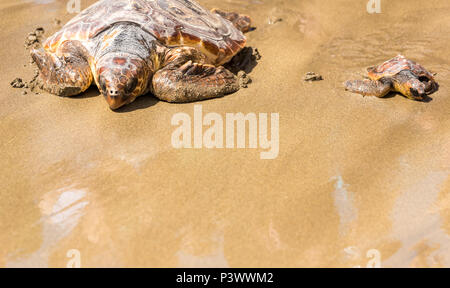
{"points": [[396, 65], [172, 22]]}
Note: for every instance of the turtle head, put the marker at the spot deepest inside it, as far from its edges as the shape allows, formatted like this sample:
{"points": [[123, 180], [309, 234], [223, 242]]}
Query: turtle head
{"points": [[415, 89], [122, 78], [411, 86]]}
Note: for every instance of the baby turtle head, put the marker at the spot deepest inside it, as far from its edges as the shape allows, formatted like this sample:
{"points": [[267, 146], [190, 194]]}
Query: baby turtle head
{"points": [[411, 86], [416, 89], [122, 78]]}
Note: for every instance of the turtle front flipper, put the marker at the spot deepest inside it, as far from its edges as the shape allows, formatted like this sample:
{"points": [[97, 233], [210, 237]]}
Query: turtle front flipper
{"points": [[369, 87], [191, 80], [64, 73], [241, 22]]}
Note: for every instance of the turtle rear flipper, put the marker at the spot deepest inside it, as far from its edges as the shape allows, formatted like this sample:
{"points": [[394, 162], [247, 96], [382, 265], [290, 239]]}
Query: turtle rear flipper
{"points": [[241, 22], [369, 87], [66, 75]]}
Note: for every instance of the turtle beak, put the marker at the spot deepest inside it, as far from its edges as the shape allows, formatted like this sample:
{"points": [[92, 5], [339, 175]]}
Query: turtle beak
{"points": [[114, 103], [115, 99]]}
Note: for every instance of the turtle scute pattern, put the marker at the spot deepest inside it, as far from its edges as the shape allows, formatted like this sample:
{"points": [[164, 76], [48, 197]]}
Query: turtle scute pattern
{"points": [[395, 66], [172, 22]]}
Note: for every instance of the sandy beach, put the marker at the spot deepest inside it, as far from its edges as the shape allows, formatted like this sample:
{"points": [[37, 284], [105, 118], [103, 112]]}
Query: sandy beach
{"points": [[356, 180]]}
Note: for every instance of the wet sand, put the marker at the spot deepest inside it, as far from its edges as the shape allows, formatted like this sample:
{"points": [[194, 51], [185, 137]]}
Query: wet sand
{"points": [[353, 174]]}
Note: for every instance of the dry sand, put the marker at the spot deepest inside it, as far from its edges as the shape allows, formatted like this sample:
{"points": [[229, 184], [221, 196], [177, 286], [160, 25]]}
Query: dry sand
{"points": [[353, 174]]}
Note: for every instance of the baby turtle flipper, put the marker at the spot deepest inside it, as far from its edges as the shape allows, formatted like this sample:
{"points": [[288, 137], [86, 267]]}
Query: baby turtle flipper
{"points": [[66, 75], [241, 22], [369, 87]]}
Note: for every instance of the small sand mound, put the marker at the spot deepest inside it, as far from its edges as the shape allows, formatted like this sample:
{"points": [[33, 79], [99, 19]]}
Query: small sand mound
{"points": [[312, 76], [33, 39], [18, 83]]}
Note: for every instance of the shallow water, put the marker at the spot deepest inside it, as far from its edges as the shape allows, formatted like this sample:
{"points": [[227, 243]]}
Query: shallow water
{"points": [[354, 175]]}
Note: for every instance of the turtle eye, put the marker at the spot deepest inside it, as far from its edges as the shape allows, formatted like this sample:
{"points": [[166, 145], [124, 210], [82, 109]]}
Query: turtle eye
{"points": [[102, 84], [414, 92], [131, 85], [424, 79]]}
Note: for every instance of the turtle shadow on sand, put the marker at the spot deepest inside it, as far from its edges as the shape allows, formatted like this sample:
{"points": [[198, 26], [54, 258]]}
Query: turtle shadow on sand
{"points": [[90, 93], [393, 94], [142, 102], [246, 60], [427, 98]]}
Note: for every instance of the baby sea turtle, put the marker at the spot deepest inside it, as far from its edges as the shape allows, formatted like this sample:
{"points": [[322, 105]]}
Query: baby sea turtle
{"points": [[398, 74], [174, 49]]}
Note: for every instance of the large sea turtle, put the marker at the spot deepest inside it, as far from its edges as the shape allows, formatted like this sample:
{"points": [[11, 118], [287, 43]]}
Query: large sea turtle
{"points": [[398, 74], [171, 48]]}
